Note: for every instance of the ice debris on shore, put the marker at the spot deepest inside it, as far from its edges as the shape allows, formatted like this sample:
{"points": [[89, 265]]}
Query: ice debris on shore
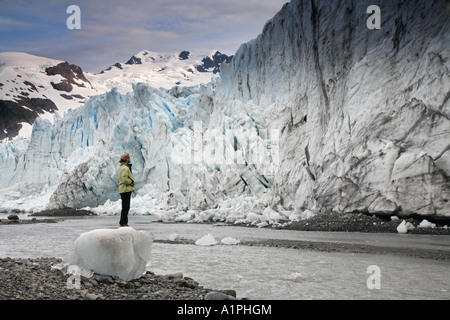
{"points": [[230, 241], [427, 224], [123, 252], [207, 240], [404, 227]]}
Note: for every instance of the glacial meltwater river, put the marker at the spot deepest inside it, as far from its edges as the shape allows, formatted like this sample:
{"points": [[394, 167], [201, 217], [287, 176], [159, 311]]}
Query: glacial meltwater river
{"points": [[257, 272]]}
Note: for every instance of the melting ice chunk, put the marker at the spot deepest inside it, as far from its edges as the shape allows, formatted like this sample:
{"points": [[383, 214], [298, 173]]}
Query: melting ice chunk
{"points": [[404, 227], [122, 252], [427, 224], [207, 240], [230, 241]]}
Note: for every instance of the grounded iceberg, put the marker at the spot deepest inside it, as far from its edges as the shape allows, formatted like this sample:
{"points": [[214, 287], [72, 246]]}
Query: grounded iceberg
{"points": [[122, 253]]}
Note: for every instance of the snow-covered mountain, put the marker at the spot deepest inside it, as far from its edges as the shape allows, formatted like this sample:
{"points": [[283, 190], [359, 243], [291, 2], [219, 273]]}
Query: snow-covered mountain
{"points": [[317, 114], [32, 87], [161, 70]]}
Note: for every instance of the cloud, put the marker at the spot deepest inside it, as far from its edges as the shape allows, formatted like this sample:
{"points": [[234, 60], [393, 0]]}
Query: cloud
{"points": [[8, 24], [113, 30]]}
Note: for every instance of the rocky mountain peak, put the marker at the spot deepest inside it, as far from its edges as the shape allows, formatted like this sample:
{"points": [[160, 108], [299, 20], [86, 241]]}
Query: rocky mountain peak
{"points": [[72, 74], [214, 62]]}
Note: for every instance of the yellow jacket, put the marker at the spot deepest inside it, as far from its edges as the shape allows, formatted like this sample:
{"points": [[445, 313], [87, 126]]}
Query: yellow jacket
{"points": [[125, 179]]}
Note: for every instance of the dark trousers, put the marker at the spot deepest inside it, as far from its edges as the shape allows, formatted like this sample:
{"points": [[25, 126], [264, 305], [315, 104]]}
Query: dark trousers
{"points": [[126, 199]]}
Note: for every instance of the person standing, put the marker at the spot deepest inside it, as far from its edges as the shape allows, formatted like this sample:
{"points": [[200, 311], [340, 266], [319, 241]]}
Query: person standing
{"points": [[126, 187]]}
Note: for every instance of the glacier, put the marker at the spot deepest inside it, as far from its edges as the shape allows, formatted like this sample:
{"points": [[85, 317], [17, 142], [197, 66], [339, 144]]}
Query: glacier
{"points": [[316, 114]]}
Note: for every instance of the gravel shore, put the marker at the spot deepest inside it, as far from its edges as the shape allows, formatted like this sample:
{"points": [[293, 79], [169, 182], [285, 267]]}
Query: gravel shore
{"points": [[359, 222], [36, 279]]}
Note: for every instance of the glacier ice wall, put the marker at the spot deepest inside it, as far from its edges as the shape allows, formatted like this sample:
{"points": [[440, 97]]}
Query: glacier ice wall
{"points": [[174, 152], [363, 114], [317, 113]]}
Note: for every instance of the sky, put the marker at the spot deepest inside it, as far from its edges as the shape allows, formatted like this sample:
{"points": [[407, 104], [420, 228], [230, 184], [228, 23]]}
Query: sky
{"points": [[112, 31]]}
